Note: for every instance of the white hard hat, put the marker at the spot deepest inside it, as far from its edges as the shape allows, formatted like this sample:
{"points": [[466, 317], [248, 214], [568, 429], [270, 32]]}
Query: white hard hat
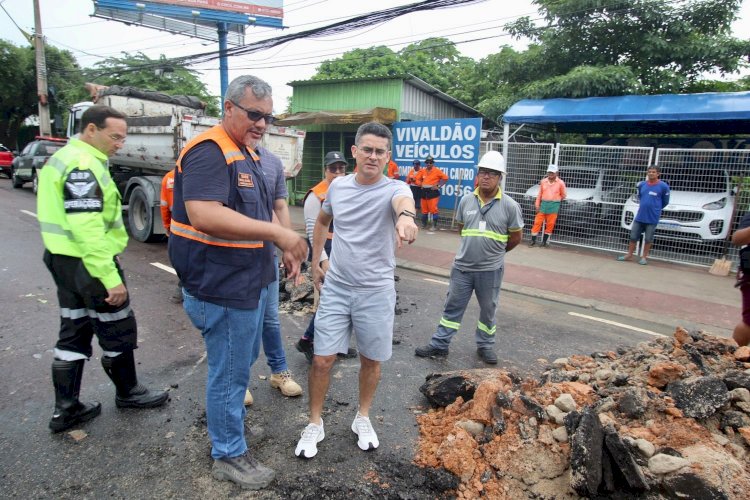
{"points": [[552, 168], [492, 160]]}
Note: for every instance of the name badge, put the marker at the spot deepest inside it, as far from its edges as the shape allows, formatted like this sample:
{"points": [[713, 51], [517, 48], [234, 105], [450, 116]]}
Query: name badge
{"points": [[245, 180], [482, 225]]}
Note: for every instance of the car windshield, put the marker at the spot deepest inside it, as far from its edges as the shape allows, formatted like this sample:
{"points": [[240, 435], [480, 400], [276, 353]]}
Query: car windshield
{"points": [[701, 181], [580, 179], [48, 149]]}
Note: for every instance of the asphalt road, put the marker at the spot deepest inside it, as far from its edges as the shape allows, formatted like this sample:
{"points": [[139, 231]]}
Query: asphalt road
{"points": [[165, 452]]}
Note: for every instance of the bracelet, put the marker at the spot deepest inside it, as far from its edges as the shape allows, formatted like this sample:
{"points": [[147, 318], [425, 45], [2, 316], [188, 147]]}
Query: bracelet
{"points": [[408, 213]]}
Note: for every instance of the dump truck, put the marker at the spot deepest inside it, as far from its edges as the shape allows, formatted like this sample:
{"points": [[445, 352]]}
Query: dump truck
{"points": [[159, 126]]}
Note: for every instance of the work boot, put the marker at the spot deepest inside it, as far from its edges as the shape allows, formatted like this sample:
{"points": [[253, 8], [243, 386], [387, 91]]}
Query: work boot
{"points": [[305, 346], [424, 221], [285, 383], [243, 470], [130, 394], [254, 434], [487, 354], [69, 411], [545, 241], [430, 352], [533, 242]]}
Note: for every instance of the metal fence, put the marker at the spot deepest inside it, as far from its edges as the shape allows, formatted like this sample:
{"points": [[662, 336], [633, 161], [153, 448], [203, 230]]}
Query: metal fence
{"points": [[710, 191]]}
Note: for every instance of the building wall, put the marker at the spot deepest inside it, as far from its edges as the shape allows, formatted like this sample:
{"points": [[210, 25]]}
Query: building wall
{"points": [[416, 105], [347, 96]]}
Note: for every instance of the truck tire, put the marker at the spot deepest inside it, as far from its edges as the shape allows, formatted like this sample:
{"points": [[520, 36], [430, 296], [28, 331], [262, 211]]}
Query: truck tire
{"points": [[141, 217]]}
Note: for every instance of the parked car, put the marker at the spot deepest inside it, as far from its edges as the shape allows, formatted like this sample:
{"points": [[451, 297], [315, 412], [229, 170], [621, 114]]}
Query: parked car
{"points": [[32, 158], [700, 207], [6, 160], [593, 194]]}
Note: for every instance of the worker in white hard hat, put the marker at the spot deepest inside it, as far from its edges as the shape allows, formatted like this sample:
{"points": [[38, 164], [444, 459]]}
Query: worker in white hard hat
{"points": [[491, 225], [552, 192]]}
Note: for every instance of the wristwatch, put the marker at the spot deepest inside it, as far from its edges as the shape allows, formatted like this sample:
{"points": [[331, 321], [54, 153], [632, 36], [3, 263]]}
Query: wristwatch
{"points": [[408, 213]]}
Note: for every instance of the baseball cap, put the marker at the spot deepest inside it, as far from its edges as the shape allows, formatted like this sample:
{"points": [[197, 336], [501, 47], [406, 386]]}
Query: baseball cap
{"points": [[334, 157], [416, 162], [552, 168]]}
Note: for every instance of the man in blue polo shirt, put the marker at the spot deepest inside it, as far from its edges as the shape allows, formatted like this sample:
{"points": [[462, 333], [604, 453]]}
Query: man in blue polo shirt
{"points": [[653, 196]]}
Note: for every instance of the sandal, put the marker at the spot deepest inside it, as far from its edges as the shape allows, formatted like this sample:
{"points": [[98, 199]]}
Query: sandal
{"points": [[623, 258]]}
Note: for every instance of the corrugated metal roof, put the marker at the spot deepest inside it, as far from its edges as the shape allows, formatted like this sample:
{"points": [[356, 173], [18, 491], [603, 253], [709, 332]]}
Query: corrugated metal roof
{"points": [[408, 78]]}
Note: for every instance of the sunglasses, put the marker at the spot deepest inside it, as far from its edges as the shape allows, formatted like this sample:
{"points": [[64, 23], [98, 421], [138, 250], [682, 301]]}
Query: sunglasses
{"points": [[336, 168], [256, 116]]}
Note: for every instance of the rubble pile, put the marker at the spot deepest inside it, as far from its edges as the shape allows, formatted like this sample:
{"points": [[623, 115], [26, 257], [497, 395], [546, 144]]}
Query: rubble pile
{"points": [[297, 299], [668, 418]]}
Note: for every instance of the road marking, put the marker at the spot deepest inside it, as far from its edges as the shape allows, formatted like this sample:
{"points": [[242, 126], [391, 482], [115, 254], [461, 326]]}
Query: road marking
{"points": [[436, 281], [615, 323], [164, 268], [28, 213]]}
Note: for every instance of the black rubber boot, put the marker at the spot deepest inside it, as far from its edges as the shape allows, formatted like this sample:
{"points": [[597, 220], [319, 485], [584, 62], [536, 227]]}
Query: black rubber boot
{"points": [[533, 241], [69, 411], [130, 394], [424, 221], [545, 242]]}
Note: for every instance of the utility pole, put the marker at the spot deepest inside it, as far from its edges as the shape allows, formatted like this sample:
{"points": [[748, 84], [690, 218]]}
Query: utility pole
{"points": [[41, 73]]}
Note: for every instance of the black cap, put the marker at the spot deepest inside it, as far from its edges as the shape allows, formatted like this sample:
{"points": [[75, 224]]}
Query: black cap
{"points": [[429, 159], [416, 162], [334, 157]]}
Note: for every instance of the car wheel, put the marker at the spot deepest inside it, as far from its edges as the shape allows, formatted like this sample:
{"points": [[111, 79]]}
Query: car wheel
{"points": [[17, 182], [34, 182]]}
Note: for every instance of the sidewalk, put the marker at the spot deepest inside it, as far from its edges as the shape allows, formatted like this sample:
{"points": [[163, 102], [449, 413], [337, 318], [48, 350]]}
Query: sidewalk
{"points": [[661, 292]]}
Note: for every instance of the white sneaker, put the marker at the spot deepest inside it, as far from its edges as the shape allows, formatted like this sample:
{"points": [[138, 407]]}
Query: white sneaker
{"points": [[307, 446], [362, 427]]}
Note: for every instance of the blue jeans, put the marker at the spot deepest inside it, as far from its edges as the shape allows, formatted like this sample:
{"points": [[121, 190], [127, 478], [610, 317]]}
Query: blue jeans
{"points": [[486, 286], [272, 346], [231, 338]]}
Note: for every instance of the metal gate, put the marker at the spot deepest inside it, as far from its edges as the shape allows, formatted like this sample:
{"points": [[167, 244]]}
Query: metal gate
{"points": [[710, 191]]}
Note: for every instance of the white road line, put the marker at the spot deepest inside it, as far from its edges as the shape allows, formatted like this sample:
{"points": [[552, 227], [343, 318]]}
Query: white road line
{"points": [[28, 213], [436, 281], [164, 267], [615, 323]]}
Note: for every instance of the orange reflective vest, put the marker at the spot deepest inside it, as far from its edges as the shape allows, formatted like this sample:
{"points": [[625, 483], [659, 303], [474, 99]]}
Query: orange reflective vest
{"points": [[412, 177], [229, 273], [165, 205], [320, 190], [393, 170]]}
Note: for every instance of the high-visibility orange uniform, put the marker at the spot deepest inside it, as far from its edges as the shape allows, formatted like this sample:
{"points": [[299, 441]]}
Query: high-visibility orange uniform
{"points": [[551, 195], [411, 177], [167, 193], [393, 170], [429, 178]]}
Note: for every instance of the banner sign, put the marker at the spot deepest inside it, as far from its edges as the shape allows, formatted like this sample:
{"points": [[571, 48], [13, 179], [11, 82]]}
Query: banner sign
{"points": [[453, 144], [267, 8]]}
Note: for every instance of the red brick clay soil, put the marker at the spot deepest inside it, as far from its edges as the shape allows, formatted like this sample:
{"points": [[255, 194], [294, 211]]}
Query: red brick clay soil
{"points": [[664, 419]]}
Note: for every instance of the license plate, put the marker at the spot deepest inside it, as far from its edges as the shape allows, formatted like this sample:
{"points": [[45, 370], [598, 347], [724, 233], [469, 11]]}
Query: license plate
{"points": [[668, 225]]}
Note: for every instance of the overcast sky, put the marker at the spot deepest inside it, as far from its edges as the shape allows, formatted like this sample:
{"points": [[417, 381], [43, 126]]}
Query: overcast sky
{"points": [[68, 24]]}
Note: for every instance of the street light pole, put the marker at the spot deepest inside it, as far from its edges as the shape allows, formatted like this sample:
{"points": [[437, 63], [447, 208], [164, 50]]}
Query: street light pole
{"points": [[41, 73]]}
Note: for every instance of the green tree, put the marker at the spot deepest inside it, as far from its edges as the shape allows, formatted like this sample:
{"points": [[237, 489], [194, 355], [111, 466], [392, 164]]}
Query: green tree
{"points": [[161, 75], [597, 48]]}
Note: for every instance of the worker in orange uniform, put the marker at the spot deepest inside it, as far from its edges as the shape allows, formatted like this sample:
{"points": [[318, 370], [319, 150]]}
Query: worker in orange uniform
{"points": [[551, 194], [167, 192], [431, 178], [393, 170], [414, 184]]}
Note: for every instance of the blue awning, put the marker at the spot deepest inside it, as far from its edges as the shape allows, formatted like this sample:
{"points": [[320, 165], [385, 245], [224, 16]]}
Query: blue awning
{"points": [[715, 112]]}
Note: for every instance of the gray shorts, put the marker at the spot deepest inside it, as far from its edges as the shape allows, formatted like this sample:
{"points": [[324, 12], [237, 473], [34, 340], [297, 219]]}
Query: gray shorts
{"points": [[640, 228], [368, 312]]}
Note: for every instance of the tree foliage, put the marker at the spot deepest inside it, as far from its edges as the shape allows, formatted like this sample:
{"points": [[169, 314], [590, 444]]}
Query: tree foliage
{"points": [[161, 75]]}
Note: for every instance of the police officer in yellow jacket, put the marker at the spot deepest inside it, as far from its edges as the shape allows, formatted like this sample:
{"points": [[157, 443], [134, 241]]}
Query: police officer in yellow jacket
{"points": [[80, 217]]}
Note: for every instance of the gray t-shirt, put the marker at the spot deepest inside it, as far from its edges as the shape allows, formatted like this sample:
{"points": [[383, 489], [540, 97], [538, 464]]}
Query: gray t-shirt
{"points": [[273, 169], [485, 232], [363, 254]]}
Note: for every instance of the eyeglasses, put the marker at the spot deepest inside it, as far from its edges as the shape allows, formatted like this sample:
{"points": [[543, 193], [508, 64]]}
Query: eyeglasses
{"points": [[368, 151], [336, 168], [114, 137], [488, 173], [256, 116]]}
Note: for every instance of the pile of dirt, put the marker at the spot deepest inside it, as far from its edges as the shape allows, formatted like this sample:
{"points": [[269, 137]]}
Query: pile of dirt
{"points": [[664, 419]]}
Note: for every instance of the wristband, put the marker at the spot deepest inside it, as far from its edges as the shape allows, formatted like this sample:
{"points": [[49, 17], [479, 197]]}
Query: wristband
{"points": [[408, 214]]}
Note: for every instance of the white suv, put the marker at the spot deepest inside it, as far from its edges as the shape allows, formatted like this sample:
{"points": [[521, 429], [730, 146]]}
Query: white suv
{"points": [[700, 207]]}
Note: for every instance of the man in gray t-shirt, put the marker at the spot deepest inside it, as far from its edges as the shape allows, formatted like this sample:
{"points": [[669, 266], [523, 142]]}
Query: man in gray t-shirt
{"points": [[491, 226], [373, 215]]}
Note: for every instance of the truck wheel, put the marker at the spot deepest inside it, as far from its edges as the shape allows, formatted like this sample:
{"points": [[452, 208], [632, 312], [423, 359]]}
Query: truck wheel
{"points": [[17, 182], [141, 216]]}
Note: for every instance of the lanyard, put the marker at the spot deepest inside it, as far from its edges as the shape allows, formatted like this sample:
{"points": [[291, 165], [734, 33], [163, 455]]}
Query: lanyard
{"points": [[484, 209]]}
